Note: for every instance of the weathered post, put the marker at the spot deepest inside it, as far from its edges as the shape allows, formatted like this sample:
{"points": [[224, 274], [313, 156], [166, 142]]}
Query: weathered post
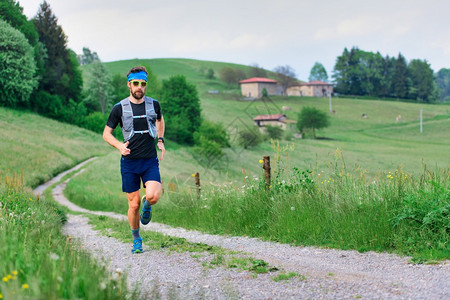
{"points": [[197, 183], [266, 167]]}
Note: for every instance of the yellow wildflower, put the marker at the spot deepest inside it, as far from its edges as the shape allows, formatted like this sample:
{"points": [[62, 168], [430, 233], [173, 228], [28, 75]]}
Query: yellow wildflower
{"points": [[15, 273], [9, 276], [193, 175], [260, 161], [25, 286], [5, 279], [1, 296]]}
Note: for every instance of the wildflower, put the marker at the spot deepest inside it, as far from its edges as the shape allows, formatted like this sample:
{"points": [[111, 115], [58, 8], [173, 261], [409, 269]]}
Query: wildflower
{"points": [[5, 279], [260, 161], [193, 175], [54, 256], [102, 285], [30, 199], [25, 286], [1, 296], [292, 208]]}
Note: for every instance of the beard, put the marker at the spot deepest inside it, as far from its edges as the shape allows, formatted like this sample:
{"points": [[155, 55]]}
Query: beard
{"points": [[138, 95]]}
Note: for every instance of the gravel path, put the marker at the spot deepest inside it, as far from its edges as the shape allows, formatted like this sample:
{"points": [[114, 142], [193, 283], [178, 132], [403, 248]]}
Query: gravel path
{"points": [[330, 274]]}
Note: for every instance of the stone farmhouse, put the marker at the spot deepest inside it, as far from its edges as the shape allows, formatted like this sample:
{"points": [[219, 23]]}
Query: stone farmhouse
{"points": [[253, 87], [312, 89], [279, 120]]}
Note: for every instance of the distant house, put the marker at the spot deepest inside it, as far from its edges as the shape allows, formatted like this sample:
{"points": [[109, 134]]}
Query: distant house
{"points": [[253, 87], [274, 120], [313, 89]]}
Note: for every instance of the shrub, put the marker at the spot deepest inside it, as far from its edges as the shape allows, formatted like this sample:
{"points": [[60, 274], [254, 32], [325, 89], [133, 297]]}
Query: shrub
{"points": [[249, 138], [274, 132], [18, 67]]}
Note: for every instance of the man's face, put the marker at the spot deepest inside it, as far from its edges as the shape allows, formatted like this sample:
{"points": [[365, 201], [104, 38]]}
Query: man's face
{"points": [[137, 88]]}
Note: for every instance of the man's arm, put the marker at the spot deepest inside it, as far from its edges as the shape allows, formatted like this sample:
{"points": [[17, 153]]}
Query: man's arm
{"points": [[160, 127], [110, 139]]}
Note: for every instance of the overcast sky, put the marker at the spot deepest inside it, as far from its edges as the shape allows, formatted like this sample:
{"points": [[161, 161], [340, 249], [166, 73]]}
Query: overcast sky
{"points": [[271, 33]]}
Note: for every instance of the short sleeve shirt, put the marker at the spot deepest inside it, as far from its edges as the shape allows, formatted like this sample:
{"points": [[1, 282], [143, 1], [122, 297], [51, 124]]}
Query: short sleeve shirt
{"points": [[141, 145]]}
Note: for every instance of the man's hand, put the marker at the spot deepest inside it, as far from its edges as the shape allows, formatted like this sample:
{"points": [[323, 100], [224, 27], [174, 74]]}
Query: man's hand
{"points": [[162, 148], [123, 149]]}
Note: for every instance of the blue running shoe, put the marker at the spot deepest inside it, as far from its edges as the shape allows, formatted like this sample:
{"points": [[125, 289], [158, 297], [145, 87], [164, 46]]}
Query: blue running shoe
{"points": [[137, 246], [146, 213]]}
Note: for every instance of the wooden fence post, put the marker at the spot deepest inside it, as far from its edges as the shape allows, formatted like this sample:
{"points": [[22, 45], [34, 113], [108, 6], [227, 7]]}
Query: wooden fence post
{"points": [[266, 167], [197, 183]]}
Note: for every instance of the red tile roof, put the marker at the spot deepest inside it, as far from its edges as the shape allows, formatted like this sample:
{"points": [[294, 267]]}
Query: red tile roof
{"points": [[258, 79]]}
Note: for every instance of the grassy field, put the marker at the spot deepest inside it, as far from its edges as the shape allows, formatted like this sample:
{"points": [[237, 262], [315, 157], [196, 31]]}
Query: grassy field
{"points": [[329, 191]]}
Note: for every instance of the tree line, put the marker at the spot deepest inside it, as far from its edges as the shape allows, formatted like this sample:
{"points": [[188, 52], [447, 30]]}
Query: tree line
{"points": [[363, 73]]}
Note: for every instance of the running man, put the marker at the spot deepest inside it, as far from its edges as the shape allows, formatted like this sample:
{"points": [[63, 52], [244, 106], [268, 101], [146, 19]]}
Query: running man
{"points": [[142, 124]]}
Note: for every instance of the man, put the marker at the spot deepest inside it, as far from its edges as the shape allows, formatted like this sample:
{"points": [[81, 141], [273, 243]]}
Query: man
{"points": [[142, 123]]}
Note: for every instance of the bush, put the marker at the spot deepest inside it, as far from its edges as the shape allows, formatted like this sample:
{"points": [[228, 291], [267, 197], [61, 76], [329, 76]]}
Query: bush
{"points": [[212, 132], [18, 67], [274, 132], [249, 138]]}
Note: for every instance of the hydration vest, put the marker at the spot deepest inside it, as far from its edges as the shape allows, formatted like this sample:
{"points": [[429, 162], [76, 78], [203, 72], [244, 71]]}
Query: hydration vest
{"points": [[128, 117]]}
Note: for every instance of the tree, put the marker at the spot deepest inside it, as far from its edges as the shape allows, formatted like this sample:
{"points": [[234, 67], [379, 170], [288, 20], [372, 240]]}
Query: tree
{"points": [[99, 91], [312, 118], [210, 74], [400, 77], [61, 74], [213, 132], [180, 101], [422, 83], [17, 71], [286, 76], [341, 74], [443, 83], [318, 72], [87, 57], [12, 13], [257, 71], [227, 75]]}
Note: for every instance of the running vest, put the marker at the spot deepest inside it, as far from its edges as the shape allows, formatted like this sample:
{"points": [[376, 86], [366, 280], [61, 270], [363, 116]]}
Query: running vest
{"points": [[127, 119]]}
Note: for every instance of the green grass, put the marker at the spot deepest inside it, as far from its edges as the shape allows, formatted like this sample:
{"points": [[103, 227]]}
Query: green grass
{"points": [[39, 148], [38, 261]]}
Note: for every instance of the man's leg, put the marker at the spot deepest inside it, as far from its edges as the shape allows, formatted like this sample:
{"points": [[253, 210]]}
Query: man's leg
{"points": [[152, 191], [134, 202]]}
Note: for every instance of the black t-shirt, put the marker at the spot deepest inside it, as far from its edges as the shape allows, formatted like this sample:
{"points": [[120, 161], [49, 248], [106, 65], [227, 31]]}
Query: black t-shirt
{"points": [[141, 145]]}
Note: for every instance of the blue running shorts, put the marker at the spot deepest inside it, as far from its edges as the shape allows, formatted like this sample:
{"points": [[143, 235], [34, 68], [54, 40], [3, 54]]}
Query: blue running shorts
{"points": [[135, 170]]}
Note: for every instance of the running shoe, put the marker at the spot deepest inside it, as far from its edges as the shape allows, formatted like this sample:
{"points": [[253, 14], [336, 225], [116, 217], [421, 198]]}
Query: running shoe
{"points": [[137, 246], [146, 213]]}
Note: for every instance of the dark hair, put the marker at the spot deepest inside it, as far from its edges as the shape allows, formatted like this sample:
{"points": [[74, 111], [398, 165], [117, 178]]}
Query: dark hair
{"points": [[137, 70]]}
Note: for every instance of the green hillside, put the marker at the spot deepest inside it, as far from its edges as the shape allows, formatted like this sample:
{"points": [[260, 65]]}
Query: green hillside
{"points": [[376, 143], [38, 148]]}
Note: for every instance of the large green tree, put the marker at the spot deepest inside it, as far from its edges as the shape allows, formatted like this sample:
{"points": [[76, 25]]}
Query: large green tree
{"points": [[400, 79], [181, 104], [17, 67], [62, 75], [318, 72], [312, 118], [99, 89], [12, 13], [422, 84], [443, 83]]}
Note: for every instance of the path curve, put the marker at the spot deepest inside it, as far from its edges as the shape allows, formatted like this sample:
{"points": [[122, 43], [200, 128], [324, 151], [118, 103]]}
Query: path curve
{"points": [[329, 273]]}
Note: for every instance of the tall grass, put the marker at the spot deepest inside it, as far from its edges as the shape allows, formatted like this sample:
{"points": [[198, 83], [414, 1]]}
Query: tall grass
{"points": [[337, 206], [37, 260], [393, 211]]}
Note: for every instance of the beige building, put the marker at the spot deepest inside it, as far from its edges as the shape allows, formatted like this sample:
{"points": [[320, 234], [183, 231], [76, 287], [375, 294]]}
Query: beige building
{"points": [[279, 120], [253, 87], [312, 89]]}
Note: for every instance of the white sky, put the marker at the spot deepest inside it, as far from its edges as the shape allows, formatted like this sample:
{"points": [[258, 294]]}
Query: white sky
{"points": [[270, 33]]}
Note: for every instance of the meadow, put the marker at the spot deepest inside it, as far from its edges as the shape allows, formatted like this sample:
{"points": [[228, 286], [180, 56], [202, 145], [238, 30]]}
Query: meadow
{"points": [[368, 178], [367, 184]]}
